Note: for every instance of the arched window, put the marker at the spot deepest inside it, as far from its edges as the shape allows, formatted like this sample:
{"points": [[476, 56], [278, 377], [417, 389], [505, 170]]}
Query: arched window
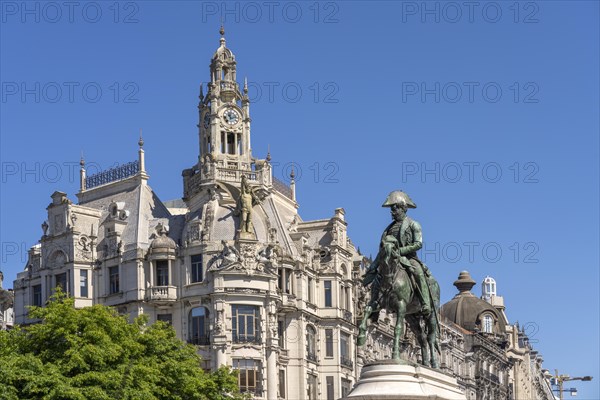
{"points": [[311, 343], [198, 324], [488, 323]]}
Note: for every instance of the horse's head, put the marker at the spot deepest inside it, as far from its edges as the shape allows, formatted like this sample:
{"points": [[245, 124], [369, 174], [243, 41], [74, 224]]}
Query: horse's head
{"points": [[389, 247]]}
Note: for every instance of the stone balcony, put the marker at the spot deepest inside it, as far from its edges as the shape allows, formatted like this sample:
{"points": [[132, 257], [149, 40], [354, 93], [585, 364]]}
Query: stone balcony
{"points": [[161, 293], [229, 89]]}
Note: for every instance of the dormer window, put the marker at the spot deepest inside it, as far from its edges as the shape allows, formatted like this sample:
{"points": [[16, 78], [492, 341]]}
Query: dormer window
{"points": [[487, 323]]}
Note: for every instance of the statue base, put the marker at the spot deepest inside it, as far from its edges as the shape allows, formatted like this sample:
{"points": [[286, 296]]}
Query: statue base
{"points": [[402, 380], [246, 236]]}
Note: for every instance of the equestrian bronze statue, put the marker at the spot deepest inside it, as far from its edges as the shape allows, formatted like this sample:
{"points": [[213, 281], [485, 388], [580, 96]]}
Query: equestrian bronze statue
{"points": [[402, 284]]}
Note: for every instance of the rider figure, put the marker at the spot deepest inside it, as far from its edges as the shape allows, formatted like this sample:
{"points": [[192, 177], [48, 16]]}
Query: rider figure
{"points": [[401, 239]]}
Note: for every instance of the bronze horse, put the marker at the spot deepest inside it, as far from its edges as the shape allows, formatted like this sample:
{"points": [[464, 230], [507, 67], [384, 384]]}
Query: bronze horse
{"points": [[397, 294]]}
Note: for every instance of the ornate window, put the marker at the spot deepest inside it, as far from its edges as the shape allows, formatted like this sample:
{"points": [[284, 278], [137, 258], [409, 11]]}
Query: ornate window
{"points": [[61, 281], [345, 359], [197, 273], [245, 321], [311, 343], [113, 280], [488, 323], [199, 326], [330, 388], [312, 387], [36, 295], [281, 333], [249, 378], [328, 342], [328, 296], [282, 383], [83, 283], [162, 273]]}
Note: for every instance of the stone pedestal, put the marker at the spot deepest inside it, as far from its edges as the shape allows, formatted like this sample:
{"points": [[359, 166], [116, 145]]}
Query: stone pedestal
{"points": [[393, 380]]}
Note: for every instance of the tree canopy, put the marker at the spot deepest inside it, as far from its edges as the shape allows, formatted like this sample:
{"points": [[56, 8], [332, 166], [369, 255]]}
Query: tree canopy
{"points": [[94, 353]]}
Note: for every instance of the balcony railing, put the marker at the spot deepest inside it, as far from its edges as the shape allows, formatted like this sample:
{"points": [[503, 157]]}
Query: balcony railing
{"points": [[202, 340], [488, 375], [162, 293], [112, 175], [235, 175], [256, 391], [346, 362], [229, 85], [246, 338], [310, 356]]}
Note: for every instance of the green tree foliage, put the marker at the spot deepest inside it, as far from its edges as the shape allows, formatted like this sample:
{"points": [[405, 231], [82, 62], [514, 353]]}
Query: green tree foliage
{"points": [[93, 353]]}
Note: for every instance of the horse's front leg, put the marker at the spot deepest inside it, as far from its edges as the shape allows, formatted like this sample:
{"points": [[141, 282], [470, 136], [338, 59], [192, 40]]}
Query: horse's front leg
{"points": [[399, 329], [362, 329]]}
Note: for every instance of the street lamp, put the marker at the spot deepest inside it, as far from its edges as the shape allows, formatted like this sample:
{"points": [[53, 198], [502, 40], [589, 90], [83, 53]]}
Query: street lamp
{"points": [[558, 380]]}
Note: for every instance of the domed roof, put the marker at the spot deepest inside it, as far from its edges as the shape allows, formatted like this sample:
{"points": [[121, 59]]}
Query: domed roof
{"points": [[468, 311], [223, 53], [162, 243]]}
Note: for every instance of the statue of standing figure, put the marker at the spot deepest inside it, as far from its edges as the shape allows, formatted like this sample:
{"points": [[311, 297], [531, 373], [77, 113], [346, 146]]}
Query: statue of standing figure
{"points": [[402, 283], [245, 202]]}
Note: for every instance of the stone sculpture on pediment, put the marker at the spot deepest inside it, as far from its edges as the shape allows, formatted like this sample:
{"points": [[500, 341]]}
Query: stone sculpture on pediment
{"points": [[229, 257], [293, 225], [269, 257]]}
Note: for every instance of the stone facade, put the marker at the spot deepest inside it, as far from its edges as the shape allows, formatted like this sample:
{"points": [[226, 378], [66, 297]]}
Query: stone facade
{"points": [[279, 304]]}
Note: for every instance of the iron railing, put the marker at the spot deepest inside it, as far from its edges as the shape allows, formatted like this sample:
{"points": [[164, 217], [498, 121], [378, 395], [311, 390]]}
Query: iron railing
{"points": [[112, 174], [246, 338], [202, 340]]}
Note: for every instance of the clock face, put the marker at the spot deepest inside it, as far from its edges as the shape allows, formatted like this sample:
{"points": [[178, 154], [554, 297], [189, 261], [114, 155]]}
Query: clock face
{"points": [[231, 116], [206, 120]]}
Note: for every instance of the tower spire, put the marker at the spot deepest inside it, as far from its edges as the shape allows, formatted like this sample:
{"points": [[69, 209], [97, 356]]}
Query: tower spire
{"points": [[141, 155], [293, 183], [222, 32], [82, 173]]}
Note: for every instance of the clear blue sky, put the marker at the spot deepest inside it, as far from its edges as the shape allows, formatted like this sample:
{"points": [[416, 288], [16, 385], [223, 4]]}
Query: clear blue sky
{"points": [[487, 115]]}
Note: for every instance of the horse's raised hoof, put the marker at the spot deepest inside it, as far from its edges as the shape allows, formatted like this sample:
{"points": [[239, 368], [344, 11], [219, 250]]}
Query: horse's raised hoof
{"points": [[361, 340]]}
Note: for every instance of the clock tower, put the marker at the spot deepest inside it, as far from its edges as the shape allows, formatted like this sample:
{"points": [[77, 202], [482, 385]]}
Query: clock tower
{"points": [[224, 113], [225, 154]]}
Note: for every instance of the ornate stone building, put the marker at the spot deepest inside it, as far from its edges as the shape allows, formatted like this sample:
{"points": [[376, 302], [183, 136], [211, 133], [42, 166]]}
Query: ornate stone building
{"points": [[276, 303], [276, 297]]}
